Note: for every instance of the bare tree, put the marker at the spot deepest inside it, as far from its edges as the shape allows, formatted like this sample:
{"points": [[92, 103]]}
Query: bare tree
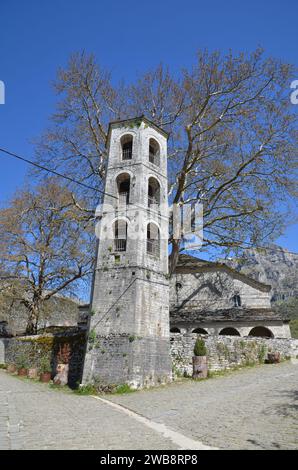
{"points": [[45, 244], [232, 146]]}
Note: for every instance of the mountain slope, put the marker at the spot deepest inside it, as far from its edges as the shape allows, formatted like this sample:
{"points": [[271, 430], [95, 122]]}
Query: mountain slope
{"points": [[275, 266]]}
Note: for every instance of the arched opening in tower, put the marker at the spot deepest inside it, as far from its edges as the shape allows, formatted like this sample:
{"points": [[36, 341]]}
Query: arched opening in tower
{"points": [[154, 152], [123, 185], [153, 194]]}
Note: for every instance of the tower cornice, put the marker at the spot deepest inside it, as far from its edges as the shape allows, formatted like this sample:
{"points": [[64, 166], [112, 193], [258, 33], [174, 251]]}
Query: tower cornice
{"points": [[135, 122]]}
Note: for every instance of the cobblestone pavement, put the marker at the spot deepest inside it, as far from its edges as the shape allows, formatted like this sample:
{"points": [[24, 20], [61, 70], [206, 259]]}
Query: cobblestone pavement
{"points": [[32, 416], [255, 408], [249, 409]]}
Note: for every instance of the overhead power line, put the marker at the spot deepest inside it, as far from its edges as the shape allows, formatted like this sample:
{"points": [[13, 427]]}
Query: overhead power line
{"points": [[41, 167], [54, 172]]}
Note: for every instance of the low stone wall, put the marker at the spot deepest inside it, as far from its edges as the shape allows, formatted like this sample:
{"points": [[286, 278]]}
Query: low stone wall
{"points": [[224, 352], [64, 347], [57, 311], [227, 352]]}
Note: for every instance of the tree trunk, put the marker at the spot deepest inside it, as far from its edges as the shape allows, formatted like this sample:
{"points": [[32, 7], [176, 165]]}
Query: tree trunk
{"points": [[32, 322], [174, 256]]}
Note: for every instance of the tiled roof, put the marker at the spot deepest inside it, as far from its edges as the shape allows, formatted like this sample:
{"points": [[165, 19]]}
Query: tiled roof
{"points": [[232, 314]]}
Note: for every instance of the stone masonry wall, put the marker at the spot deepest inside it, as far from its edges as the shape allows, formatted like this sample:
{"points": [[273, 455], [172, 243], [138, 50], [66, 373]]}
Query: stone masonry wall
{"points": [[49, 346], [57, 311], [213, 290], [3, 342], [114, 360], [226, 352]]}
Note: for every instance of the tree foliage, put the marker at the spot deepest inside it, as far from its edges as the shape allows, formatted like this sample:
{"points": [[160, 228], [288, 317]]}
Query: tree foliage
{"points": [[232, 145], [44, 246], [200, 347]]}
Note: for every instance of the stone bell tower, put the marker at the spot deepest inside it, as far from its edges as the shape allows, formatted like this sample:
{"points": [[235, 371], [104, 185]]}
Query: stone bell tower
{"points": [[129, 327]]}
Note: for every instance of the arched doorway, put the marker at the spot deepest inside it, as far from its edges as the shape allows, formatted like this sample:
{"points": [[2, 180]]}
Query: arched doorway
{"points": [[229, 331], [200, 331], [175, 330], [261, 331]]}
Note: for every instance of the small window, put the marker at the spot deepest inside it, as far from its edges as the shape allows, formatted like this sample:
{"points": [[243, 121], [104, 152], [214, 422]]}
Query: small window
{"points": [[153, 240], [154, 152], [237, 300], [126, 146]]}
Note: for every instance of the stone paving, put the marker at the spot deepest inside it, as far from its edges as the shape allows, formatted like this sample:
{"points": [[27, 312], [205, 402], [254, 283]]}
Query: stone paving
{"points": [[250, 409], [253, 408], [32, 416]]}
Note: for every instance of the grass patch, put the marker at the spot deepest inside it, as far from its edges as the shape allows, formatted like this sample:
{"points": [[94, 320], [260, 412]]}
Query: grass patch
{"points": [[90, 389], [123, 388], [60, 388], [87, 389]]}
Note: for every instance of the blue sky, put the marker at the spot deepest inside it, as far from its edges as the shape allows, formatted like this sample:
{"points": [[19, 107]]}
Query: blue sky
{"points": [[127, 37]]}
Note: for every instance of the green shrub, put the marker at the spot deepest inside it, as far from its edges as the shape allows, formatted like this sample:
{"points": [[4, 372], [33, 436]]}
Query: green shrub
{"points": [[262, 353], [92, 337], [200, 348], [22, 362], [294, 328], [45, 365]]}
